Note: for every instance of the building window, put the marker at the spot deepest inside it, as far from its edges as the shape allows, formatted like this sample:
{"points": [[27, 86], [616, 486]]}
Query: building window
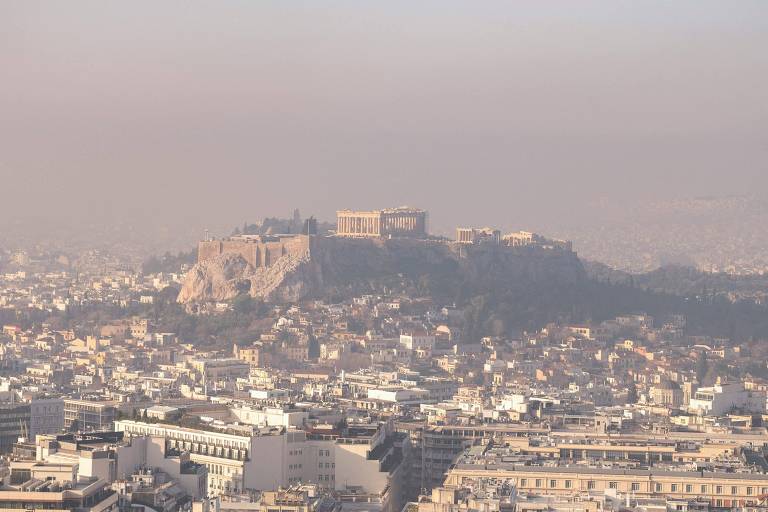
{"points": [[568, 484], [688, 488], [749, 491], [658, 488], [719, 489], [635, 486], [523, 482], [538, 482], [673, 487], [734, 490], [703, 489], [553, 483], [613, 485]]}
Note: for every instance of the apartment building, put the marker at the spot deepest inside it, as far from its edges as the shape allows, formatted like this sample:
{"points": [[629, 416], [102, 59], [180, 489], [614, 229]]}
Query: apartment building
{"points": [[360, 459], [724, 397], [55, 488], [14, 417], [717, 484], [89, 415], [213, 370], [297, 498], [46, 416]]}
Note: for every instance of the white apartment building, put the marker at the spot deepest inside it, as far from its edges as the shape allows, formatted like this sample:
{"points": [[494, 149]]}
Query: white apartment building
{"points": [[362, 459], [399, 394], [270, 416], [417, 341], [514, 402], [235, 462], [722, 398], [106, 456], [213, 370]]}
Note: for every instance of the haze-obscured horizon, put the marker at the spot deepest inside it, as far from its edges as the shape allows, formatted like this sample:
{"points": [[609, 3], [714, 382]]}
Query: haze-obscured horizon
{"points": [[522, 114]]}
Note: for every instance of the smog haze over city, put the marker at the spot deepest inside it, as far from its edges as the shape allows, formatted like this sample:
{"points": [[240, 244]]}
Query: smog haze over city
{"points": [[202, 113], [350, 256]]}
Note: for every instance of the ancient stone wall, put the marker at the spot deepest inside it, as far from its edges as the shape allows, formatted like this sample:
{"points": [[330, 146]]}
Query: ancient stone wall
{"points": [[208, 249], [258, 253]]}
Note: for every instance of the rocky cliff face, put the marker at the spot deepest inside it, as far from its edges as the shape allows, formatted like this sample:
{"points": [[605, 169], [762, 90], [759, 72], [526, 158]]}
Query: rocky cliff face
{"points": [[224, 277], [358, 266], [218, 279]]}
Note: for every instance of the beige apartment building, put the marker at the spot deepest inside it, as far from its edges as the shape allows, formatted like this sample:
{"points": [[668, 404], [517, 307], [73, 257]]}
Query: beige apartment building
{"points": [[33, 485], [719, 488]]}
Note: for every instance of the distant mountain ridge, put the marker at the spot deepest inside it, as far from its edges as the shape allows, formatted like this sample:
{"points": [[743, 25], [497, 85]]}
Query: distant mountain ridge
{"points": [[714, 234], [685, 281]]}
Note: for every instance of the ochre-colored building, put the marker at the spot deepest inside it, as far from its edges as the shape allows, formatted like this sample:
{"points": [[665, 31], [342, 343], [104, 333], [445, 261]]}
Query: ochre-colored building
{"points": [[719, 488]]}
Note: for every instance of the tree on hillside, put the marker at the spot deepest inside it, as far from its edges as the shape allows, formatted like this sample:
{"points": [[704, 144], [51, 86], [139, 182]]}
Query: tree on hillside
{"points": [[702, 367], [632, 394]]}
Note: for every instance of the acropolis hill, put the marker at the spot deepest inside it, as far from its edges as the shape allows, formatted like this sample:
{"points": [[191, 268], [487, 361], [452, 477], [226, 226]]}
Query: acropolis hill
{"points": [[359, 259]]}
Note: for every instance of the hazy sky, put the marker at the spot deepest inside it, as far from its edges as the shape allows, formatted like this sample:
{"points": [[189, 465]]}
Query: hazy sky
{"points": [[482, 112]]}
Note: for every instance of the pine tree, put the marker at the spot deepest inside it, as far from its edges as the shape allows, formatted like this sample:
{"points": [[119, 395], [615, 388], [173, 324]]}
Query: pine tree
{"points": [[632, 394], [702, 367]]}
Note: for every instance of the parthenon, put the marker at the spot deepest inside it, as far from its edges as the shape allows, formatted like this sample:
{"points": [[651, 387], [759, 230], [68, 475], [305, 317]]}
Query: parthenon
{"points": [[394, 222]]}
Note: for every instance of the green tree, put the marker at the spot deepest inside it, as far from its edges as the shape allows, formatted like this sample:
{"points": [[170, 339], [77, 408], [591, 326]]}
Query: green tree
{"points": [[314, 348], [632, 394], [243, 304], [702, 367]]}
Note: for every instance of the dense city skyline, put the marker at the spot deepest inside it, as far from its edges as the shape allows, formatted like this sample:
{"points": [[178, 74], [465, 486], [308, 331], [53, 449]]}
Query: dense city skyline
{"points": [[344, 256]]}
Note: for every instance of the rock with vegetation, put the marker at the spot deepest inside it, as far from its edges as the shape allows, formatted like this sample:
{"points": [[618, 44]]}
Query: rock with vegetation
{"points": [[336, 269]]}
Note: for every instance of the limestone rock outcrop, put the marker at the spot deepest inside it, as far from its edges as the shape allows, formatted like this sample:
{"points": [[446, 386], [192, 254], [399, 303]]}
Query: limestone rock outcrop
{"points": [[226, 276], [337, 267]]}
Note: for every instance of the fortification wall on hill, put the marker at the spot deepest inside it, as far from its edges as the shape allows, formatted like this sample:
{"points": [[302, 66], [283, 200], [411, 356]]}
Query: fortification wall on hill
{"points": [[257, 252]]}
